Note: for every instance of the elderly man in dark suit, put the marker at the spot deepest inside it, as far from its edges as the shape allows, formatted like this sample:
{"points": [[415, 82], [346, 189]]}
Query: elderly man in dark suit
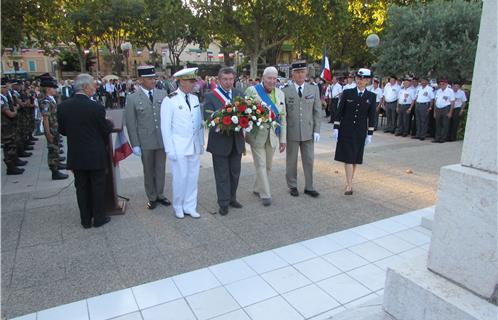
{"points": [[83, 121], [226, 150]]}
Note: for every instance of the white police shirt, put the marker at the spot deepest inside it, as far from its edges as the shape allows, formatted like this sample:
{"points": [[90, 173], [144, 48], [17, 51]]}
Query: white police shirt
{"points": [[406, 95], [444, 97], [391, 92], [460, 98], [425, 95]]}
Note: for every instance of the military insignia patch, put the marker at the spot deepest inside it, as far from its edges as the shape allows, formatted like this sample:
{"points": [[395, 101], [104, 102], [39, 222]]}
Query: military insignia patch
{"points": [[180, 107]]}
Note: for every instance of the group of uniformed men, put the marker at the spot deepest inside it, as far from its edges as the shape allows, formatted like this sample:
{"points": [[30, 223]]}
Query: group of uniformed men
{"points": [[161, 125], [412, 106], [19, 104]]}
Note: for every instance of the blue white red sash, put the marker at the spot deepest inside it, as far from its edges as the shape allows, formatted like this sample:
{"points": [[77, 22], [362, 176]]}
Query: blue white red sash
{"points": [[266, 99], [220, 95]]}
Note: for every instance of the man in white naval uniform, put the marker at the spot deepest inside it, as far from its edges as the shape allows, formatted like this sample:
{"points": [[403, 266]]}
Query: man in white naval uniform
{"points": [[183, 137]]}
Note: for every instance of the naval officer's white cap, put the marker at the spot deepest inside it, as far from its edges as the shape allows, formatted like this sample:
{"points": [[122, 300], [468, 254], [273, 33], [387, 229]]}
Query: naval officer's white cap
{"points": [[186, 74]]}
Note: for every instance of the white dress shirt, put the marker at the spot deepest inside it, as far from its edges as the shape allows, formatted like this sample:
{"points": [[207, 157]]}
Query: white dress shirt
{"points": [[425, 94], [460, 98], [391, 92], [444, 97], [406, 95]]}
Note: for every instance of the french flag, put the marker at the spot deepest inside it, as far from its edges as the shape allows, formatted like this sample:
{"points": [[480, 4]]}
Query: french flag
{"points": [[122, 148], [326, 74]]}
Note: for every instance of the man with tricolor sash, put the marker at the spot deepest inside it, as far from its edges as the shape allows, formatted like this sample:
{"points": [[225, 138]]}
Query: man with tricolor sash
{"points": [[226, 149], [264, 141]]}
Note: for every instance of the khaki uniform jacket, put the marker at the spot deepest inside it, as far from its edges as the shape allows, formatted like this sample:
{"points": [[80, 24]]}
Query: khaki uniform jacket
{"points": [[258, 137], [303, 114], [143, 119]]}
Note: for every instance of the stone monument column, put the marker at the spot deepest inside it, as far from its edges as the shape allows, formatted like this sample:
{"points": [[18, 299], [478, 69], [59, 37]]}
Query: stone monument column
{"points": [[459, 280]]}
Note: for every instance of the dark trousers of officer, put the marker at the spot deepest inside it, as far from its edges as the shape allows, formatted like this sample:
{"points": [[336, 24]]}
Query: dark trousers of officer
{"points": [[90, 188], [226, 175], [333, 108], [421, 118], [413, 124], [108, 100], [454, 124], [391, 116], [442, 123], [403, 120]]}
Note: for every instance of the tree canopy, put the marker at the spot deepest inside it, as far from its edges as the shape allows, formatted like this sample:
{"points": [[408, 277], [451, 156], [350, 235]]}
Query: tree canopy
{"points": [[437, 39]]}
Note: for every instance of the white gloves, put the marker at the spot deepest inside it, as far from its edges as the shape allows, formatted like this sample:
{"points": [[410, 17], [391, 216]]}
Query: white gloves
{"points": [[172, 156], [316, 136], [335, 134], [137, 151], [368, 140]]}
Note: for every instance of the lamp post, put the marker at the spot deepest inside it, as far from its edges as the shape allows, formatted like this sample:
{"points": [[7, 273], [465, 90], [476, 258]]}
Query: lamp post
{"points": [[126, 47]]}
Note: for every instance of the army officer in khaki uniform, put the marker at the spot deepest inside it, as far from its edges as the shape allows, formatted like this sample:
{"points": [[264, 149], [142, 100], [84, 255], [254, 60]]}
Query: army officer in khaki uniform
{"points": [[143, 122], [302, 101]]}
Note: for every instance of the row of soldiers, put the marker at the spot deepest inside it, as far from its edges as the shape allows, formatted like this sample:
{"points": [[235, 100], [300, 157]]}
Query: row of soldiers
{"points": [[19, 104]]}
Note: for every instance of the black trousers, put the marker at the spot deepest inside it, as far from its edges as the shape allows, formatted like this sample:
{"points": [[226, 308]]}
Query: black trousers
{"points": [[454, 124], [90, 188], [226, 174]]}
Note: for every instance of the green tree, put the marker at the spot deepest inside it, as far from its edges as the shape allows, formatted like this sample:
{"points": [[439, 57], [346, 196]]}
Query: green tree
{"points": [[259, 25], [437, 39]]}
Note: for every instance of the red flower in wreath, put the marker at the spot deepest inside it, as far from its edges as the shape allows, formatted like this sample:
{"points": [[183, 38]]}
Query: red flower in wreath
{"points": [[226, 120], [242, 108], [272, 115], [243, 122], [261, 109]]}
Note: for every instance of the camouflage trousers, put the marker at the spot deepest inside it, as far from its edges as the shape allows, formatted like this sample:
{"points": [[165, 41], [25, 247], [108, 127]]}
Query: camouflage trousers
{"points": [[9, 146], [53, 153]]}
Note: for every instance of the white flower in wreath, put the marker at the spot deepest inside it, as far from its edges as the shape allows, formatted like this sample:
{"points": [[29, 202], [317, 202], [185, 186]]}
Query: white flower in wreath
{"points": [[248, 111], [235, 120], [237, 129], [212, 123]]}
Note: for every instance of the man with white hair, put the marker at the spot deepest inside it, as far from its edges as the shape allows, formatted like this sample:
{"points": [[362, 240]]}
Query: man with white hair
{"points": [[264, 142], [83, 121]]}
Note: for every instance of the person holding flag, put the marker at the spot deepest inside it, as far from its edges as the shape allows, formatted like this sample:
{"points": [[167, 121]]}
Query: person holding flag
{"points": [[264, 141], [226, 150]]}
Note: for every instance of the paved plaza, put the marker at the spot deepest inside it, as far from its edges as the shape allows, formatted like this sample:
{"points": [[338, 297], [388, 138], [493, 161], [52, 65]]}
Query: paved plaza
{"points": [[48, 259]]}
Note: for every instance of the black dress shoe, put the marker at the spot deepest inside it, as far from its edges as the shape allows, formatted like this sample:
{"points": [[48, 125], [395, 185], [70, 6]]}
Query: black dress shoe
{"points": [[14, 171], [348, 193], [235, 204], [24, 154], [106, 220], [62, 158], [86, 226], [29, 148], [422, 139], [435, 141], [164, 202], [151, 205], [415, 137], [57, 175], [223, 211], [61, 151], [293, 192], [312, 193], [21, 163]]}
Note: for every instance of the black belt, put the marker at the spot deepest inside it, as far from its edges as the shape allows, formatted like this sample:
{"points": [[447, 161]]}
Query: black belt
{"points": [[423, 102]]}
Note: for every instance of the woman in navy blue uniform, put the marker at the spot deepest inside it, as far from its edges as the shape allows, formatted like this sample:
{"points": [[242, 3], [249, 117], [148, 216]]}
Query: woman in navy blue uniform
{"points": [[354, 125]]}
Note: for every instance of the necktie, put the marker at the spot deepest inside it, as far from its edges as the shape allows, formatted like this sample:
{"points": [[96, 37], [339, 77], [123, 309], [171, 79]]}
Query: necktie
{"points": [[360, 94], [188, 103], [299, 92], [150, 96]]}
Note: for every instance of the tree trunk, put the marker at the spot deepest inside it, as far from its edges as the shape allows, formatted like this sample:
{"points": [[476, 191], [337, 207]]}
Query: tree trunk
{"points": [[254, 65]]}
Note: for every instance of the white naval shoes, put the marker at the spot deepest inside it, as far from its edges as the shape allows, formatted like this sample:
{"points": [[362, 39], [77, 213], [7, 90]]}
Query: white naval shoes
{"points": [[194, 214], [179, 214]]}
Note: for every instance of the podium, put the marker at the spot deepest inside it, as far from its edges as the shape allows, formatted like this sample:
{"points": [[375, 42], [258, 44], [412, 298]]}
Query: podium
{"points": [[113, 205]]}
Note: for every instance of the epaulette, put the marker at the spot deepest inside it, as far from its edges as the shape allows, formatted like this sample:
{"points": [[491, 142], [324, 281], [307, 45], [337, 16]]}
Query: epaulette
{"points": [[172, 94]]}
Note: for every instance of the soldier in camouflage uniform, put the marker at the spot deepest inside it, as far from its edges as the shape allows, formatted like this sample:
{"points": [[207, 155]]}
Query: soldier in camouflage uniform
{"points": [[9, 118], [24, 115], [48, 108]]}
